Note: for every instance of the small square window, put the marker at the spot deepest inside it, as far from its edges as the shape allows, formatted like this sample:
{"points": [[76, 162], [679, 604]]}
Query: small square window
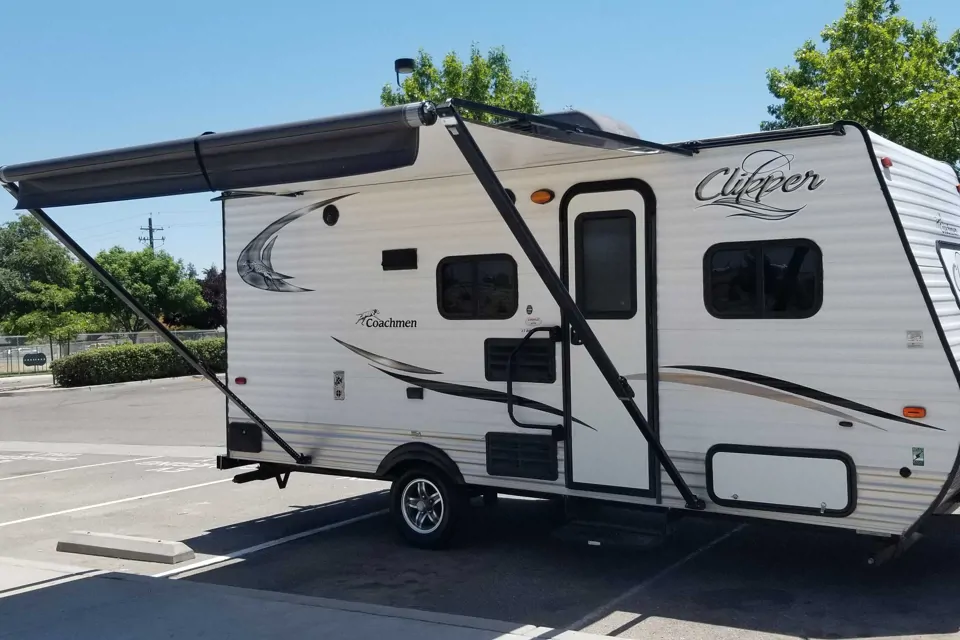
{"points": [[481, 287]]}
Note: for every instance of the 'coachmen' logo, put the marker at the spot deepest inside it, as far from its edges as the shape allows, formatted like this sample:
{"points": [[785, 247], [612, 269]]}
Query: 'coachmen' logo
{"points": [[371, 318], [760, 174]]}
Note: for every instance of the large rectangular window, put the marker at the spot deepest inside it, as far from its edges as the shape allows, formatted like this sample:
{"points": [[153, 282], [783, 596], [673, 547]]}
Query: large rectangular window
{"points": [[606, 264], [478, 287], [763, 279]]}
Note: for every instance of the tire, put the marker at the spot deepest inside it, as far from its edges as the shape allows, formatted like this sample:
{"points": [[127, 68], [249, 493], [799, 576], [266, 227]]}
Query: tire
{"points": [[434, 505]]}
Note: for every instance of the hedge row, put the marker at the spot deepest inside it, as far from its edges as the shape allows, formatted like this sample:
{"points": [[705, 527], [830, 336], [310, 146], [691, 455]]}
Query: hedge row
{"points": [[129, 362]]}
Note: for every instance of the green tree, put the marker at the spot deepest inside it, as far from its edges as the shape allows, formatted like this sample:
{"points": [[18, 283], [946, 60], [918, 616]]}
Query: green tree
{"points": [[54, 316], [158, 282], [29, 254], [482, 79], [881, 70]]}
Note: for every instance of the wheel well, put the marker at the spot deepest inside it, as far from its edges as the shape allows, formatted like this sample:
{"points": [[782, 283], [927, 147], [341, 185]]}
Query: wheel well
{"points": [[414, 454]]}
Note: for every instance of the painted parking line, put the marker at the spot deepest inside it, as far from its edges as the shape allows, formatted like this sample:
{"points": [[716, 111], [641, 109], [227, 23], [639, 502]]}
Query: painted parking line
{"points": [[85, 466], [267, 545], [112, 502], [606, 609]]}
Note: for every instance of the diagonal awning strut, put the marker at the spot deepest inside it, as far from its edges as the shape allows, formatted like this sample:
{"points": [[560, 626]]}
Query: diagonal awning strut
{"points": [[472, 153], [124, 295]]}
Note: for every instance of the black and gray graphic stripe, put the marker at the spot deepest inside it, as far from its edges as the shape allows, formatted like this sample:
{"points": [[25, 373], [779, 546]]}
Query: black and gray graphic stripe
{"points": [[803, 391], [387, 362], [478, 393]]}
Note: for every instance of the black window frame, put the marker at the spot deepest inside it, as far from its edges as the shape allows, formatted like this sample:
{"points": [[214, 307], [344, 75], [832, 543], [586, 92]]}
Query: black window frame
{"points": [[761, 312], [476, 259], [578, 263]]}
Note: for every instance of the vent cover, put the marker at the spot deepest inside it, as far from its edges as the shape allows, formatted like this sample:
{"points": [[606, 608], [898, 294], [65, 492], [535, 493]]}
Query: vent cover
{"points": [[535, 362], [520, 455]]}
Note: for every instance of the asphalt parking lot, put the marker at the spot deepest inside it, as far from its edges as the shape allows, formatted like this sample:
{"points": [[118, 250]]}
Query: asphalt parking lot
{"points": [[139, 460]]}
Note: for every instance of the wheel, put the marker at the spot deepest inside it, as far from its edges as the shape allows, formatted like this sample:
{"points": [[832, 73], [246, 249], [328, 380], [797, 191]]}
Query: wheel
{"points": [[426, 506]]}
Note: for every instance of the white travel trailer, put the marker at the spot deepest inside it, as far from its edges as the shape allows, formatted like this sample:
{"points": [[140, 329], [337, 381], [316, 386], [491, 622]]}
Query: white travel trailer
{"points": [[762, 326]]}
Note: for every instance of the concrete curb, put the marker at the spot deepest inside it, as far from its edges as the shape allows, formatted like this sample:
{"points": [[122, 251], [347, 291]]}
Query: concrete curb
{"points": [[443, 619], [110, 545]]}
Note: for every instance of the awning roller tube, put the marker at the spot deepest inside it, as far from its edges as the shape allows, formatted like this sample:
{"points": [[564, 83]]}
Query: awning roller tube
{"points": [[351, 144]]}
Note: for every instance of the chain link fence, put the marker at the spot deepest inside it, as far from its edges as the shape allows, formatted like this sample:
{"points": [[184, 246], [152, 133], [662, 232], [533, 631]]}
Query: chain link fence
{"points": [[18, 355]]}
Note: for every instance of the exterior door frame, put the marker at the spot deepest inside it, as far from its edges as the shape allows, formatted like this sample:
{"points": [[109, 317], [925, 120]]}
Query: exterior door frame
{"points": [[650, 305]]}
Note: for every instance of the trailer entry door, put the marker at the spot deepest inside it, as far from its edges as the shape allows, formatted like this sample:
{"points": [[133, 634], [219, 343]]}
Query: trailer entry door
{"points": [[607, 277]]}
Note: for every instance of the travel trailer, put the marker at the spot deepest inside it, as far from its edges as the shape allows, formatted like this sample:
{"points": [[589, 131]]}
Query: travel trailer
{"points": [[762, 326]]}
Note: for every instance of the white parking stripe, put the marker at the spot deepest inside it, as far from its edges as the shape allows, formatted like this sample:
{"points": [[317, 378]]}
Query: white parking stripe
{"points": [[604, 610], [86, 466], [266, 545], [112, 502]]}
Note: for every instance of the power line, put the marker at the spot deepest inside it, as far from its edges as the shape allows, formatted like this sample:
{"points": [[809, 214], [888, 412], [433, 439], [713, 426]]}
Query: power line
{"points": [[150, 229]]}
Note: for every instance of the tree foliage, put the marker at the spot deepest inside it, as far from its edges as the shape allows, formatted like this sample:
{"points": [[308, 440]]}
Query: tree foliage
{"points": [[54, 315], [157, 281], [214, 314], [29, 254], [881, 70], [488, 79]]}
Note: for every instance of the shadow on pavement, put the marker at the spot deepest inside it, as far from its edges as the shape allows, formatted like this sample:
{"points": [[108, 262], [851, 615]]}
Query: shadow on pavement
{"points": [[299, 518], [777, 580], [505, 565]]}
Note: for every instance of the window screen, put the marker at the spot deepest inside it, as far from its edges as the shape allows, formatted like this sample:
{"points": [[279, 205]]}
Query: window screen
{"points": [[768, 279], [606, 264], [477, 287]]}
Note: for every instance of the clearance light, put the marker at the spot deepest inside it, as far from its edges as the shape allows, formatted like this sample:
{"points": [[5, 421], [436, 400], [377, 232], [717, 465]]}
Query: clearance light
{"points": [[240, 380], [914, 412], [541, 196], [887, 162], [958, 188]]}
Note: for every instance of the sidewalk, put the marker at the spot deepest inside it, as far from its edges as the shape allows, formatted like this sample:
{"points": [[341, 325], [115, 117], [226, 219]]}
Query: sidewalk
{"points": [[32, 381], [115, 605], [40, 382]]}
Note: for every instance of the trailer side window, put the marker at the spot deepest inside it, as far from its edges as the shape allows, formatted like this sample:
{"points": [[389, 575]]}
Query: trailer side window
{"points": [[765, 279], [606, 264], [477, 287]]}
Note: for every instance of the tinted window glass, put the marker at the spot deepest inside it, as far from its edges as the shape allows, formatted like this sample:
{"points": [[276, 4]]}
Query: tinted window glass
{"points": [[733, 282], [477, 287], [768, 279], [606, 264], [790, 279]]}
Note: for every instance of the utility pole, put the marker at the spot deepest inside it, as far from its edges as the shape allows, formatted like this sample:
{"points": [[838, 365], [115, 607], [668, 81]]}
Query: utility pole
{"points": [[150, 229]]}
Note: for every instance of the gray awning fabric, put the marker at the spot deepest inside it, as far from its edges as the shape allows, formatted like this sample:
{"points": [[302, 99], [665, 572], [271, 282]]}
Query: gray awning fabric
{"points": [[345, 145]]}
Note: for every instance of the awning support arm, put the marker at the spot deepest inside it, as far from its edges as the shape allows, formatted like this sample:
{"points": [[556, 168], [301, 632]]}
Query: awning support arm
{"points": [[178, 346], [472, 153]]}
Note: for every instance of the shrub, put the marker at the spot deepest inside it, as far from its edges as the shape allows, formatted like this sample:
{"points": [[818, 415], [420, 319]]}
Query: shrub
{"points": [[129, 362]]}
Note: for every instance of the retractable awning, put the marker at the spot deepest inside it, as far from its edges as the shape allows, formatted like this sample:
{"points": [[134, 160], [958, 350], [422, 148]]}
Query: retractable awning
{"points": [[351, 144]]}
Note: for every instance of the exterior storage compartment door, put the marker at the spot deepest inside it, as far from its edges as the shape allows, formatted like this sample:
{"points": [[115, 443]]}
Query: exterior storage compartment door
{"points": [[809, 481]]}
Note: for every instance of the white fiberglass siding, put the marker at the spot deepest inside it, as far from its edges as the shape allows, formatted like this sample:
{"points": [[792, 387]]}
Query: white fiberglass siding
{"points": [[925, 195]]}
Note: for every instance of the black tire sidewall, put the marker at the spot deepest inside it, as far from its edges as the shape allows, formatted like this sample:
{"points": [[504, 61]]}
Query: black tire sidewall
{"points": [[452, 507]]}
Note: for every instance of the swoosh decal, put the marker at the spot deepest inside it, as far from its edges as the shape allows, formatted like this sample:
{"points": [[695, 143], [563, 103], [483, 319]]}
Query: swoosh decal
{"points": [[254, 263], [478, 393], [387, 362], [807, 392], [736, 386]]}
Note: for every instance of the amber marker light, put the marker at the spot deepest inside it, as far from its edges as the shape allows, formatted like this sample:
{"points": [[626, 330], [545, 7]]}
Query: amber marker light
{"points": [[541, 196]]}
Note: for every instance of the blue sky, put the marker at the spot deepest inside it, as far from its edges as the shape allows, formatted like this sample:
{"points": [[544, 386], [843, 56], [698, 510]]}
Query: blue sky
{"points": [[86, 76]]}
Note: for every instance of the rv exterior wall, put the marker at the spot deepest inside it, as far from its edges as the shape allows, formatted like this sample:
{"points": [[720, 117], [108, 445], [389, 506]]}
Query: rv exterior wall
{"points": [[835, 377]]}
